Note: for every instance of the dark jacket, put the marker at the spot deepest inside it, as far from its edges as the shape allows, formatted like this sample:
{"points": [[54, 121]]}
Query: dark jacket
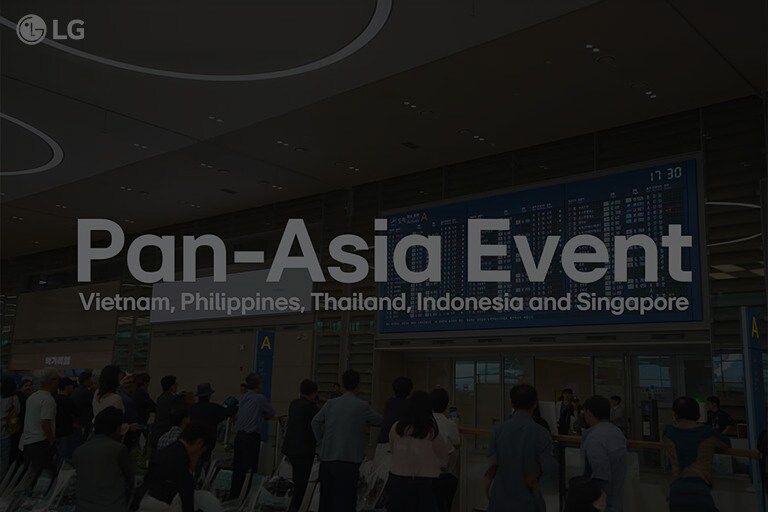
{"points": [[392, 412], [299, 442], [166, 402], [169, 475], [104, 475]]}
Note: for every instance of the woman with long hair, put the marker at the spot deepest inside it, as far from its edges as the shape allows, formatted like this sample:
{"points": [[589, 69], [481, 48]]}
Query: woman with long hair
{"points": [[418, 454], [106, 395]]}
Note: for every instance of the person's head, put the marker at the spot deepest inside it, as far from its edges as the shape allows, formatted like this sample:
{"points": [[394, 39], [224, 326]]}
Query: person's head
{"points": [[142, 380], [417, 419], [350, 380], [194, 438], [402, 387], [243, 387], [253, 382], [178, 417], [108, 423], [440, 399], [336, 387], [109, 380], [584, 495], [7, 387], [597, 409], [713, 404], [66, 386], [567, 395], [686, 408], [204, 392], [168, 384], [48, 378], [615, 400], [26, 386], [523, 397], [85, 380], [308, 389]]}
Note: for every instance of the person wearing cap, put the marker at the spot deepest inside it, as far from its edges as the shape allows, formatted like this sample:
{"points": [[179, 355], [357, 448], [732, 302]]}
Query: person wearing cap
{"points": [[39, 434], [254, 409], [209, 414]]}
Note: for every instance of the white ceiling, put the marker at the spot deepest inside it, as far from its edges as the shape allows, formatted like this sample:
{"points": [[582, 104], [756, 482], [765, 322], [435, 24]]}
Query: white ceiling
{"points": [[515, 73]]}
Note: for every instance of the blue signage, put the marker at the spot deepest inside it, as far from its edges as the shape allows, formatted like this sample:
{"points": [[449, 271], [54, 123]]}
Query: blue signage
{"points": [[264, 357], [752, 344]]}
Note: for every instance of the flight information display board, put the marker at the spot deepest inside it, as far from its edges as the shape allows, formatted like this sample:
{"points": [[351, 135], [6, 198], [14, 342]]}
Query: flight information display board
{"points": [[642, 201]]}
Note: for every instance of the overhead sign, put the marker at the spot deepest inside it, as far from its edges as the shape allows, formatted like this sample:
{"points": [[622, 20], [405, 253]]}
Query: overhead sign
{"points": [[753, 347]]}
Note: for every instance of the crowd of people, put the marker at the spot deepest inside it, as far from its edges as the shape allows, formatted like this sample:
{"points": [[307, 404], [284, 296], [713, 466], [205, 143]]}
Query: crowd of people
{"points": [[95, 423]]}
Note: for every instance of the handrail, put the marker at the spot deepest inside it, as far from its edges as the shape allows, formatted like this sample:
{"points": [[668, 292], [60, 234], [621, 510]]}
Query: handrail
{"points": [[631, 443]]}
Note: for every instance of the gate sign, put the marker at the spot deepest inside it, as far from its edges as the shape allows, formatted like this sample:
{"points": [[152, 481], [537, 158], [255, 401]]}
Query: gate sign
{"points": [[752, 342], [265, 354]]}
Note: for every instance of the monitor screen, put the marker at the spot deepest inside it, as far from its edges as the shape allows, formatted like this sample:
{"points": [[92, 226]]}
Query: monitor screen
{"points": [[643, 201]]}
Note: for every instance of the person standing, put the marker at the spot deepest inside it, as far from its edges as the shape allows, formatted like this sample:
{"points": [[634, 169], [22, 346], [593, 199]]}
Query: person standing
{"points": [[418, 454], [167, 401], [170, 484], [566, 412], [253, 411], [209, 414], [393, 409], [104, 467], [690, 447], [25, 390], [299, 443], [617, 415], [604, 450], [717, 418], [144, 404], [339, 427], [39, 434], [335, 391], [179, 421], [448, 481], [520, 453], [106, 395], [82, 396], [65, 420], [10, 423]]}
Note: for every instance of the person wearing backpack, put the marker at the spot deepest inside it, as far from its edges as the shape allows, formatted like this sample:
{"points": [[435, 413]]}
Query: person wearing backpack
{"points": [[10, 423]]}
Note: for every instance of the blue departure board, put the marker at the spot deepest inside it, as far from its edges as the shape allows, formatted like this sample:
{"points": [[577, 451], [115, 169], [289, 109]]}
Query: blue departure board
{"points": [[642, 201]]}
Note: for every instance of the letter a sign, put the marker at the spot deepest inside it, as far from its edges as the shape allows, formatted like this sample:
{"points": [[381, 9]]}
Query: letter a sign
{"points": [[265, 353]]}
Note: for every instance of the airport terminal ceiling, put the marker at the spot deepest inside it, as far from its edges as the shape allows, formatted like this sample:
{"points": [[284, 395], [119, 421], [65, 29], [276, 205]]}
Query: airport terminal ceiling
{"points": [[133, 149]]}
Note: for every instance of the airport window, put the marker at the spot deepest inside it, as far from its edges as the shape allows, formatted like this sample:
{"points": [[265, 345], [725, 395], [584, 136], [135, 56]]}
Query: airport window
{"points": [[488, 372], [655, 372], [465, 376]]}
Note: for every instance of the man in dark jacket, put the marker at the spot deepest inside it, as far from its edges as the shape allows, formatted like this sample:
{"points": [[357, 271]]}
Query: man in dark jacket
{"points": [[299, 442], [166, 402], [104, 467]]}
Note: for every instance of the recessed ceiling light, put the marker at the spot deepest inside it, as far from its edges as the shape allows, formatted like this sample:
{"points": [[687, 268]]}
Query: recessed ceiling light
{"points": [[481, 139], [589, 46], [595, 50], [406, 103], [279, 142], [35, 242], [476, 137], [652, 96], [605, 59], [211, 117], [219, 120], [14, 217], [648, 92], [300, 150], [223, 171], [351, 167], [413, 106]]}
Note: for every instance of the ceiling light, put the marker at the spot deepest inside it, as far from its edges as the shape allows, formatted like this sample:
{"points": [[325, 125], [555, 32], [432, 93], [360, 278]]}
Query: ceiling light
{"points": [[595, 50], [14, 217], [413, 106], [481, 139], [279, 142], [351, 167], [128, 221], [605, 59], [300, 150], [219, 120], [648, 92], [211, 117], [35, 242], [476, 136], [652, 96], [223, 171], [589, 46], [406, 103]]}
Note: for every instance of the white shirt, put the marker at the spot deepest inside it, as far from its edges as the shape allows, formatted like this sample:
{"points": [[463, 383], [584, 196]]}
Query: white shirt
{"points": [[450, 432], [40, 406], [109, 400]]}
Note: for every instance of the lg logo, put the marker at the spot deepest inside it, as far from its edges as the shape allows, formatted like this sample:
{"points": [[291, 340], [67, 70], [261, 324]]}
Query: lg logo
{"points": [[31, 29]]}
